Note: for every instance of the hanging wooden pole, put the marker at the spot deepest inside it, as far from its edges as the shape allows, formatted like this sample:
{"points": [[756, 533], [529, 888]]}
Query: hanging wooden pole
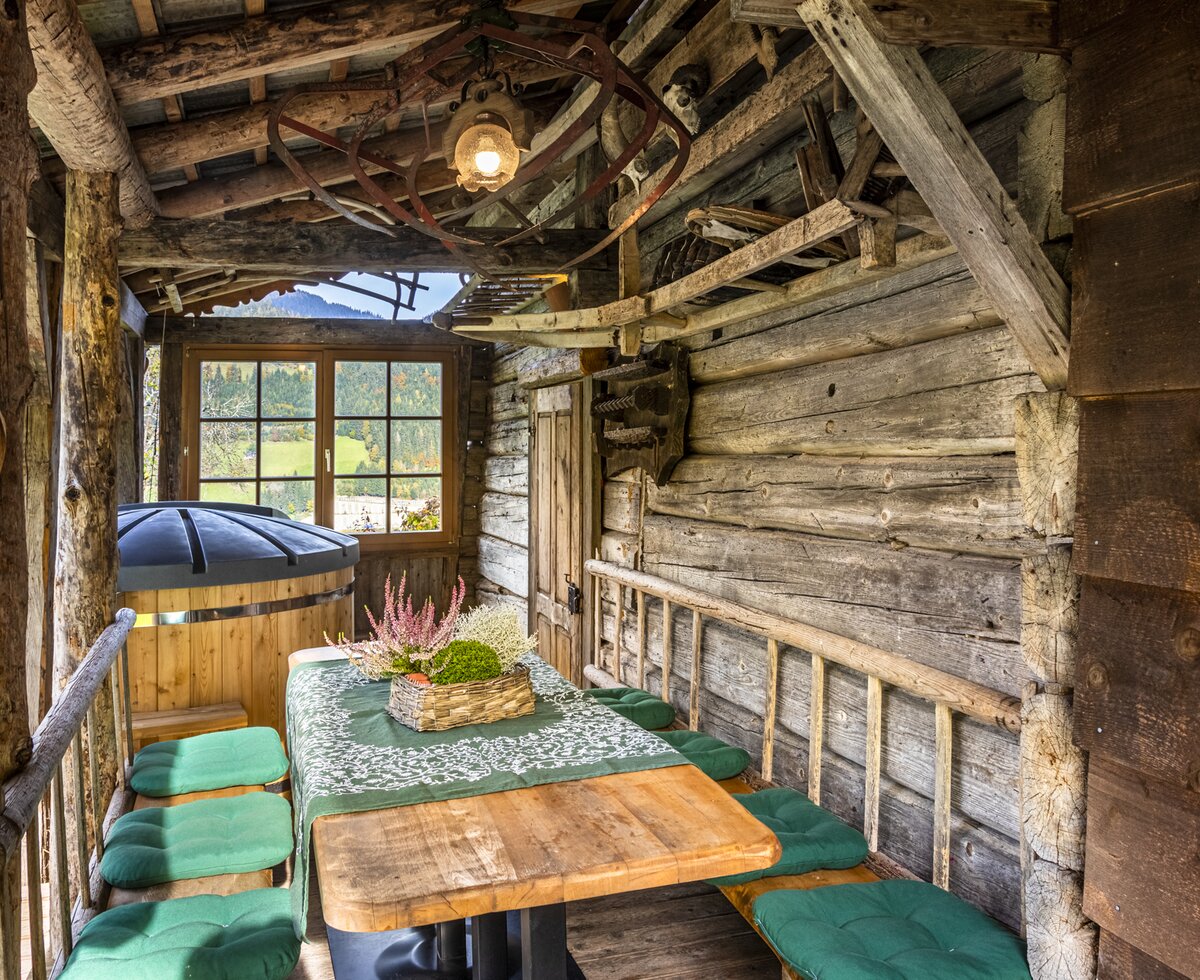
{"points": [[16, 177], [85, 575]]}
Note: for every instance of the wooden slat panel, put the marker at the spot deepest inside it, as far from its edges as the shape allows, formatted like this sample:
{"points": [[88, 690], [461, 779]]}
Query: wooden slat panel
{"points": [[1138, 472], [1139, 678], [1133, 118], [942, 793], [873, 759], [1120, 961], [694, 674], [816, 727], [174, 653], [1137, 293], [769, 710], [1141, 881]]}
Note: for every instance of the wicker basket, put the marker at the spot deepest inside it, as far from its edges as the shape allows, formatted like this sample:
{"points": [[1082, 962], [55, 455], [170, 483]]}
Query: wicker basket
{"points": [[440, 706]]}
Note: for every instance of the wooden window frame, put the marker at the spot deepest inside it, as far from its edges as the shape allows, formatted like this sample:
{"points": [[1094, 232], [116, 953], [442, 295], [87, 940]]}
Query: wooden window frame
{"points": [[326, 356]]}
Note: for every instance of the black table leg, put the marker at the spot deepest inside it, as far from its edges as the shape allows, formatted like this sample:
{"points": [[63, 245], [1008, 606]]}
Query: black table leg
{"points": [[452, 946], [544, 943], [489, 946]]}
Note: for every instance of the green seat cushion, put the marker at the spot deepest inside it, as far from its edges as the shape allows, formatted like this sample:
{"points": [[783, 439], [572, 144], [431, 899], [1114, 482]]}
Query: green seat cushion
{"points": [[811, 837], [248, 936], [227, 835], [640, 707], [887, 930], [716, 759], [216, 760]]}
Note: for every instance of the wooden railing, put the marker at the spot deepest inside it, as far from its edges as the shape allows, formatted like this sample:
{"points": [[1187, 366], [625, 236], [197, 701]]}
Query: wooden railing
{"points": [[948, 693], [37, 806]]}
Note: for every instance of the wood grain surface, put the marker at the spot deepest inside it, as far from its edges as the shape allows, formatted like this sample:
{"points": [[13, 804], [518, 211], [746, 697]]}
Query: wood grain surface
{"points": [[558, 842]]}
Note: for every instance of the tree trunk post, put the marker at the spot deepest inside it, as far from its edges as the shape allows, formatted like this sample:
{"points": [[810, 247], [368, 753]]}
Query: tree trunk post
{"points": [[16, 177], [85, 575], [1061, 940]]}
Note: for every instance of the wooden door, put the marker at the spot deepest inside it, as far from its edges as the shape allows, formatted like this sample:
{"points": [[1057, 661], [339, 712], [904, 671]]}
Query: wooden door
{"points": [[559, 528]]}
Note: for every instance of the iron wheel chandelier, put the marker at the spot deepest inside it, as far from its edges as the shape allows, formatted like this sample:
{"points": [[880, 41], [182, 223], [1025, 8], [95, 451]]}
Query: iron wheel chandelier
{"points": [[488, 138]]}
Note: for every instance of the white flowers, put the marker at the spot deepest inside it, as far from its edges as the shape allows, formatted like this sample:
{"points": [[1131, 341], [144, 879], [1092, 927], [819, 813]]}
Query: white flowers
{"points": [[498, 628]]}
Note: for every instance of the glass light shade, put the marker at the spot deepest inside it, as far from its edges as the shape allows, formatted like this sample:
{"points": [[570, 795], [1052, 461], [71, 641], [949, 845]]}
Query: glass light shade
{"points": [[486, 157]]}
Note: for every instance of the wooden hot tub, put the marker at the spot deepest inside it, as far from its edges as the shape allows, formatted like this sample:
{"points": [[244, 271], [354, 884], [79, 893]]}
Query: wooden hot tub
{"points": [[224, 593]]}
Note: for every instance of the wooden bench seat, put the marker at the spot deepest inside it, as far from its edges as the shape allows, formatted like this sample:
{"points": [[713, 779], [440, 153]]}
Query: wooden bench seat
{"points": [[181, 722], [743, 896]]}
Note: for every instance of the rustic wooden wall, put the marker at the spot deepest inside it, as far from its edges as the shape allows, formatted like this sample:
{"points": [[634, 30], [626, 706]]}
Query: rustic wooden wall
{"points": [[504, 505], [1133, 183], [851, 464]]}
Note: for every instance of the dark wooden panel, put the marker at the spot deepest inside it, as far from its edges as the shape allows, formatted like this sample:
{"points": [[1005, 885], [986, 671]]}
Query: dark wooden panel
{"points": [[1135, 315], [1143, 852], [1133, 105], [1139, 678], [1138, 517], [1080, 18], [1120, 961]]}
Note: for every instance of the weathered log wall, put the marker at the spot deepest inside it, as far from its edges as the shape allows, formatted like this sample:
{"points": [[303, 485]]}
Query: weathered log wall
{"points": [[851, 465]]}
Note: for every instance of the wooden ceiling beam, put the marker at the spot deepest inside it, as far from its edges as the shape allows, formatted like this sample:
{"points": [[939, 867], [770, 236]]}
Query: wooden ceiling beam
{"points": [[282, 250], [218, 134], [74, 107], [158, 67], [432, 179], [1031, 25], [246, 188], [893, 85]]}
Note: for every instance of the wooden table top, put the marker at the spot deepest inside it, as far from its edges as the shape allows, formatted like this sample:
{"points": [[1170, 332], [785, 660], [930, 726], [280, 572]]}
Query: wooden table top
{"points": [[559, 842]]}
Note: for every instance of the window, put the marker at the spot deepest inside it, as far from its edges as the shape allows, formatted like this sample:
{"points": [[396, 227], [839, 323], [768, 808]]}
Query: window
{"points": [[355, 440]]}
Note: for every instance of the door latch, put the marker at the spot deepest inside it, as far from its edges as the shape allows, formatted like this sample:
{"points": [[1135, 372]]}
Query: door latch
{"points": [[574, 599]]}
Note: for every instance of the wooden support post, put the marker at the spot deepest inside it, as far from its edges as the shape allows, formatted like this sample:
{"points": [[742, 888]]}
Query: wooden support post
{"points": [[877, 242], [668, 630], [921, 128], [33, 901], [694, 693], [597, 620], [1062, 942], [816, 727], [943, 780], [769, 709], [873, 760], [170, 421], [16, 376], [641, 639], [85, 579], [619, 625]]}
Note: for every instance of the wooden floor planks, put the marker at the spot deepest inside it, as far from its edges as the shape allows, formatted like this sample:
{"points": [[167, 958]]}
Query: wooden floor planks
{"points": [[682, 932]]}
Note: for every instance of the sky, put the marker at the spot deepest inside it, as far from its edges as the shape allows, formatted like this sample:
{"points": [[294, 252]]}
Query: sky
{"points": [[442, 286]]}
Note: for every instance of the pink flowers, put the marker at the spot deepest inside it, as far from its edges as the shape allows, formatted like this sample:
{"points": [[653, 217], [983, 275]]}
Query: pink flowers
{"points": [[415, 635]]}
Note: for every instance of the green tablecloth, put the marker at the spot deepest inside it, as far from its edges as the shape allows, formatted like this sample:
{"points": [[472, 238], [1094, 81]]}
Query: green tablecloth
{"points": [[348, 755]]}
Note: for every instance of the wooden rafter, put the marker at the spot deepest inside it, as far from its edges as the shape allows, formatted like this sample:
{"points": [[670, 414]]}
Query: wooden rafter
{"points": [[1028, 24], [281, 250], [760, 122], [653, 308], [74, 107], [912, 114], [155, 68]]}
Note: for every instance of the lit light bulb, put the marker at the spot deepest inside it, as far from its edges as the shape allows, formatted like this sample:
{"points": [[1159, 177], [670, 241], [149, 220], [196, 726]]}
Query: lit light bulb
{"points": [[486, 157], [487, 162]]}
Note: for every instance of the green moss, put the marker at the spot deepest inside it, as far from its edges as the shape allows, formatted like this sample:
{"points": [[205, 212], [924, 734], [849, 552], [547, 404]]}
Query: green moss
{"points": [[467, 660]]}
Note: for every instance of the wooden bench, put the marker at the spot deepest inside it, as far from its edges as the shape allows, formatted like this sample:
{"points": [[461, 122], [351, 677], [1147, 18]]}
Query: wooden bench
{"points": [[154, 726]]}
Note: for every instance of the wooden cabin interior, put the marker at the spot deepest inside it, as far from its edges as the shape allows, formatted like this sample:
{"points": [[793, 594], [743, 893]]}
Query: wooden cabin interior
{"points": [[815, 383]]}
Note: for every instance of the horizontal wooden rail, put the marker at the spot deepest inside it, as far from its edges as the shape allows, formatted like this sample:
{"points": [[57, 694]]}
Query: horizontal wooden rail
{"points": [[58, 731], [966, 697]]}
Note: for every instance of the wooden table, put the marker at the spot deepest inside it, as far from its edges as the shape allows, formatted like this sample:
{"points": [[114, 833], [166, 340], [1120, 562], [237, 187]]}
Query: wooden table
{"points": [[531, 850], [534, 850]]}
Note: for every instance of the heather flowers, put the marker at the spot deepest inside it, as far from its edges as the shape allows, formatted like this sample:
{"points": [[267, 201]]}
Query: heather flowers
{"points": [[403, 640]]}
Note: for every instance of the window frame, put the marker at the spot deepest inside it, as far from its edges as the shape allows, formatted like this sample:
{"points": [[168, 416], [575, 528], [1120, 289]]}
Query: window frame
{"points": [[325, 356]]}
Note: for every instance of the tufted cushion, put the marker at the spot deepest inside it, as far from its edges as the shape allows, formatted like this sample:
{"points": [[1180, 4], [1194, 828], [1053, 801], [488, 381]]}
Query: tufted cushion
{"points": [[811, 837], [227, 835], [887, 930], [242, 757], [640, 707], [248, 936], [714, 758]]}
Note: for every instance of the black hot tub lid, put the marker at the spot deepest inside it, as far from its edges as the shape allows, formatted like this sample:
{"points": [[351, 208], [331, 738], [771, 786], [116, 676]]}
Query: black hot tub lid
{"points": [[190, 544]]}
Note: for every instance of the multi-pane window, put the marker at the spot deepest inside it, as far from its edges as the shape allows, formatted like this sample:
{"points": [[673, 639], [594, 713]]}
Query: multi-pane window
{"points": [[387, 450], [350, 440]]}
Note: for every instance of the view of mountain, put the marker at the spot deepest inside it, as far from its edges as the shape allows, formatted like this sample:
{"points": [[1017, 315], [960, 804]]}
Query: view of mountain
{"points": [[296, 303]]}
